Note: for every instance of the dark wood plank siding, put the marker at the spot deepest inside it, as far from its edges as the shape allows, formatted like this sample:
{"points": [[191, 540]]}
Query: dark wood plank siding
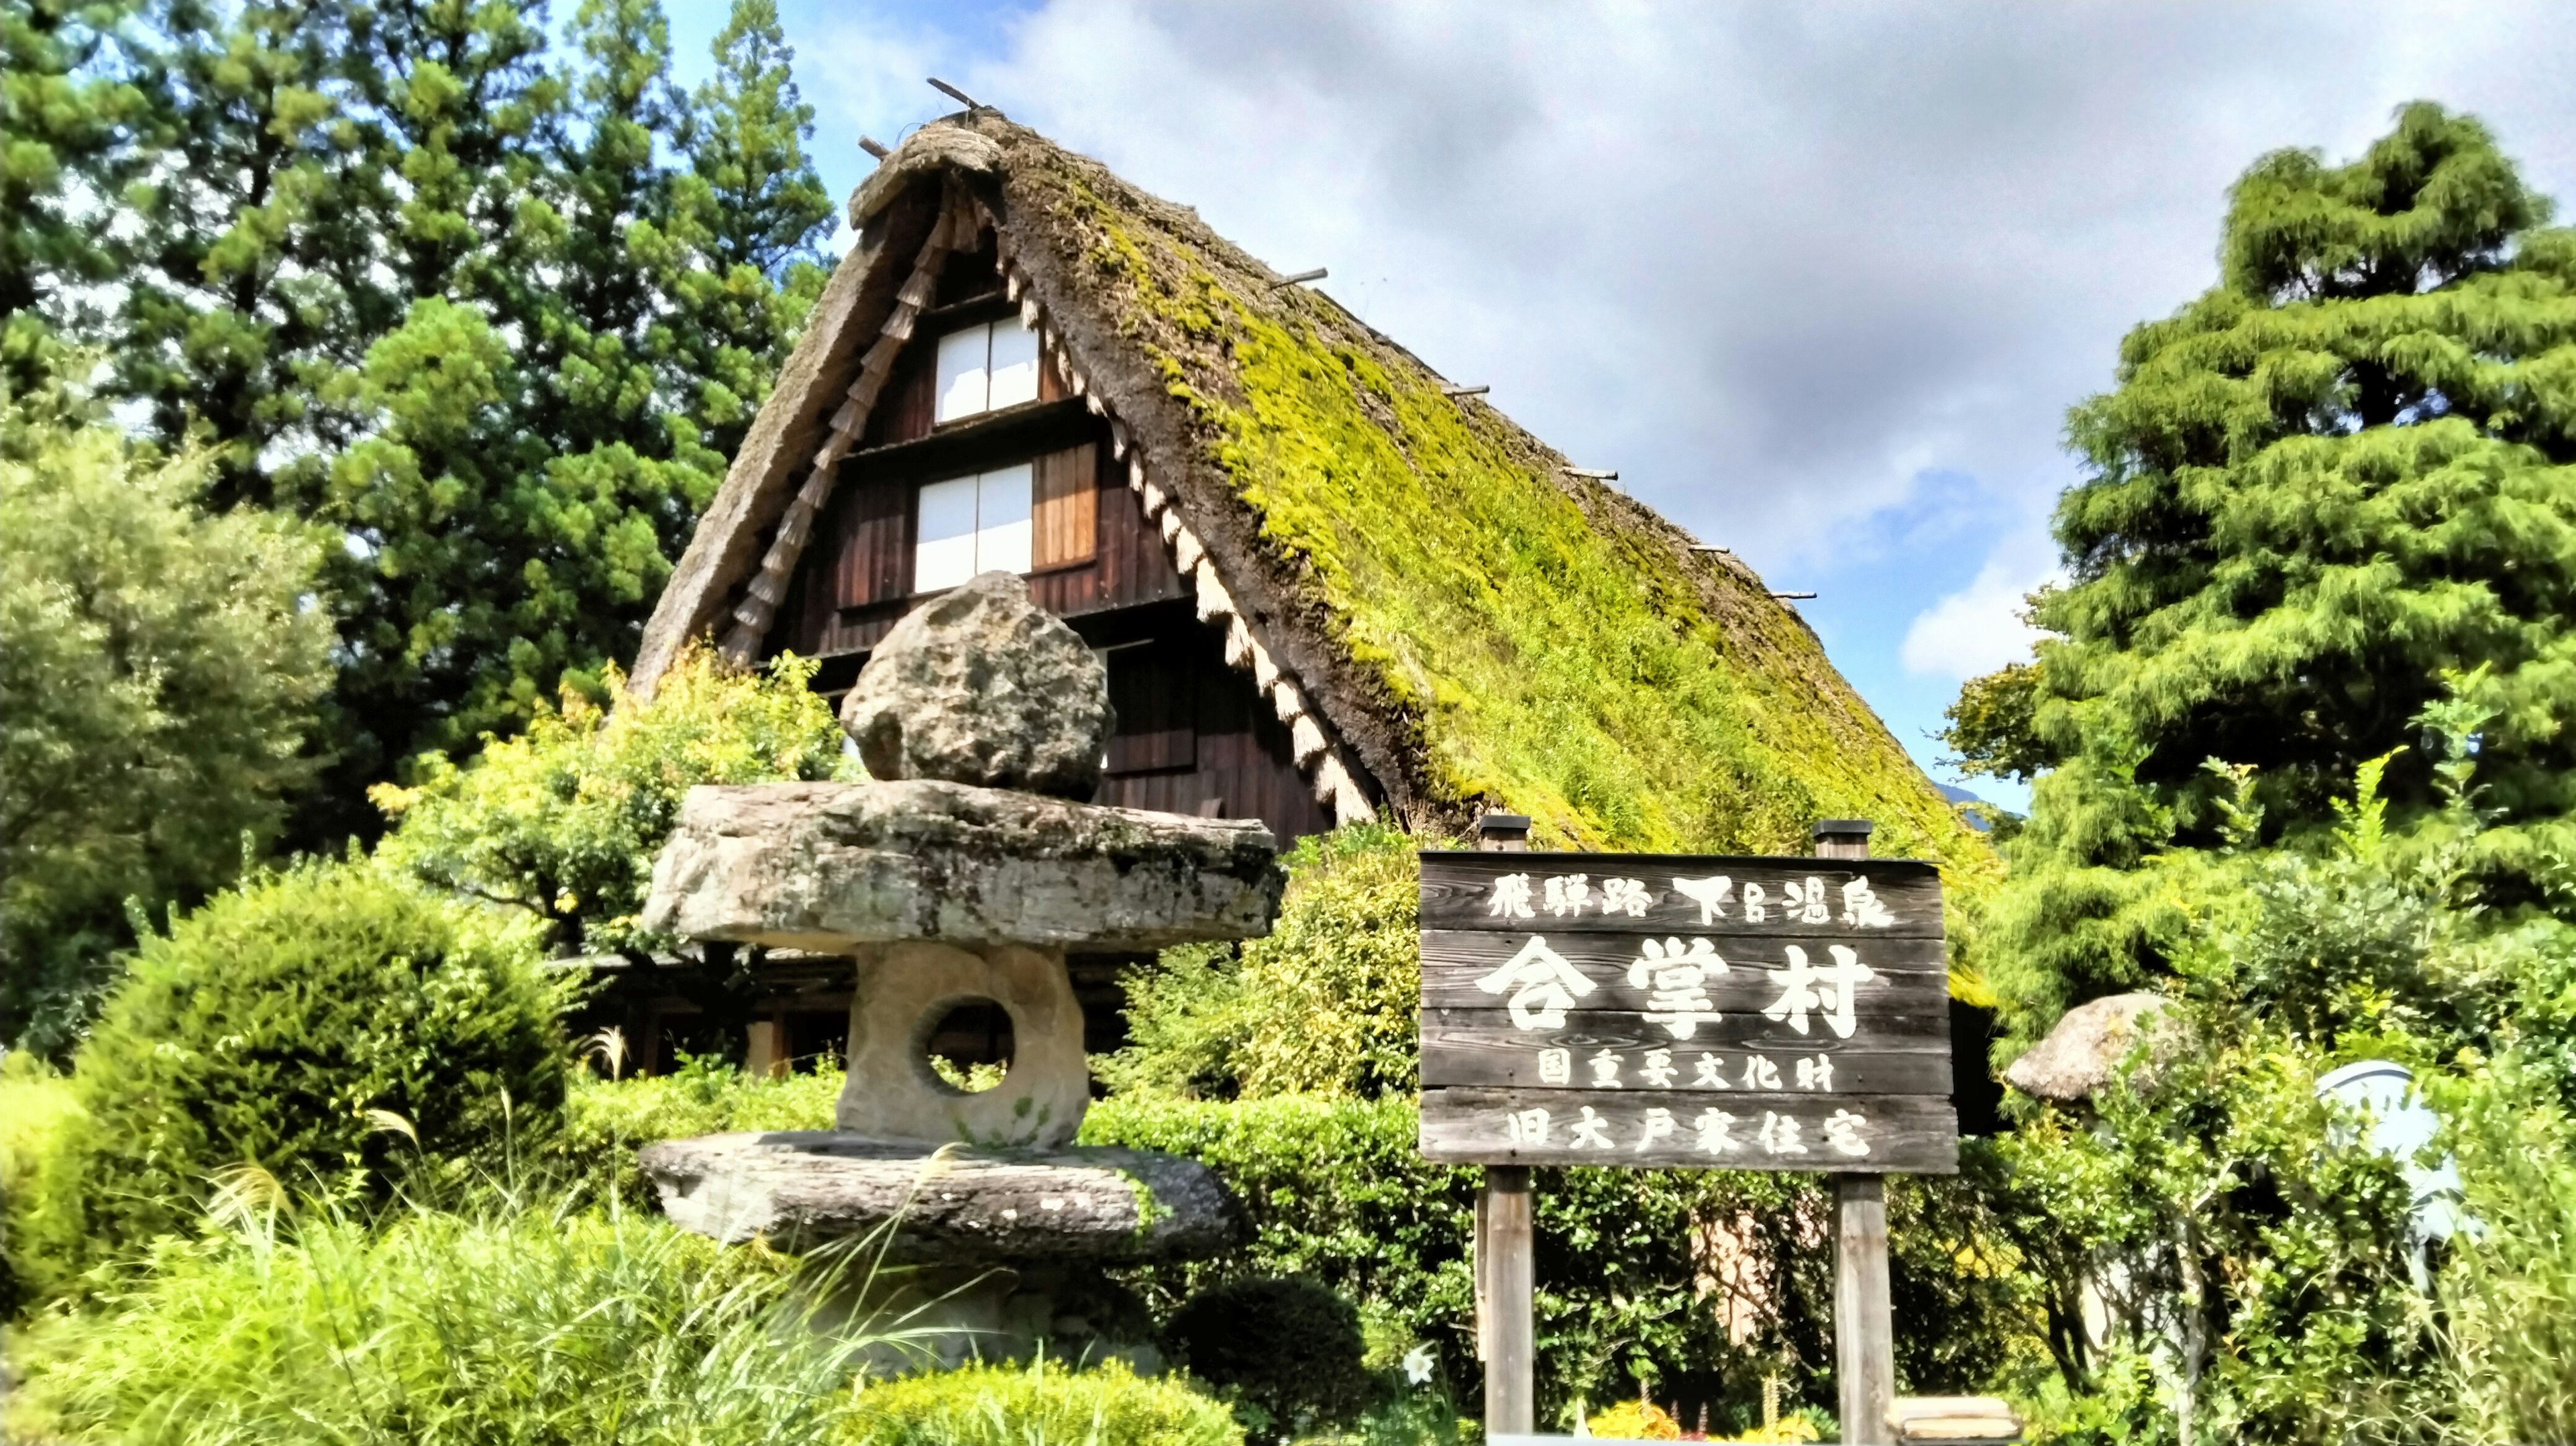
{"points": [[1193, 735], [863, 550]]}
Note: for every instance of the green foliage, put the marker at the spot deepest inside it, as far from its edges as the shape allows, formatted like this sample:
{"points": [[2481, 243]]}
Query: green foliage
{"points": [[2321, 492], [1639, 1272], [158, 674], [41, 1221], [2512, 1295], [1323, 1004], [1547, 644], [491, 311], [1990, 725], [334, 1025], [564, 821], [1043, 1404], [513, 1325], [64, 109], [1286, 1352], [607, 1120]]}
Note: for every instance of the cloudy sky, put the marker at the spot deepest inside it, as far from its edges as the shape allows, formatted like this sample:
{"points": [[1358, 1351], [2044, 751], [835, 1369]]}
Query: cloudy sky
{"points": [[1819, 281]]}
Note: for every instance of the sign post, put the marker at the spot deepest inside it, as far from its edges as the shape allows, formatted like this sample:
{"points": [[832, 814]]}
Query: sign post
{"points": [[1663, 1010]]}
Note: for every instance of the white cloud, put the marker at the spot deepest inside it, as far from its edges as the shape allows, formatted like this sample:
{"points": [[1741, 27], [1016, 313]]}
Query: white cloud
{"points": [[1768, 262], [1979, 628]]}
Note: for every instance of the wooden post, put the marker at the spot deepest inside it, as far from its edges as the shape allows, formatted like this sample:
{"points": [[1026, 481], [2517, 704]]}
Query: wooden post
{"points": [[1505, 1273], [1511, 1398], [1864, 1318]]}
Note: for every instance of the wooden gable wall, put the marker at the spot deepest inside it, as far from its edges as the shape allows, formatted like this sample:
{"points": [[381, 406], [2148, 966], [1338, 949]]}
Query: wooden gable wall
{"points": [[1192, 736]]}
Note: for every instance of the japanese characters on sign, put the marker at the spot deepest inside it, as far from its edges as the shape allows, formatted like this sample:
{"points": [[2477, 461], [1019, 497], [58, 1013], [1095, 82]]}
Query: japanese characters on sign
{"points": [[1652, 1010]]}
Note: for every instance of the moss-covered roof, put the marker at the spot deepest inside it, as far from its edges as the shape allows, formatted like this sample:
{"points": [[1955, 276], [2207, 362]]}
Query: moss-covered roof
{"points": [[1483, 627]]}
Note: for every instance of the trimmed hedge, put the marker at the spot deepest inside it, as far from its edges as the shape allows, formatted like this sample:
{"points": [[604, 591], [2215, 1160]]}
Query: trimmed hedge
{"points": [[1107, 1405], [334, 1025]]}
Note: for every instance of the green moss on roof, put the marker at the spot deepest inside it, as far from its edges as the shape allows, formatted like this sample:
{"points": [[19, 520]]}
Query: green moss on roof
{"points": [[1553, 647]]}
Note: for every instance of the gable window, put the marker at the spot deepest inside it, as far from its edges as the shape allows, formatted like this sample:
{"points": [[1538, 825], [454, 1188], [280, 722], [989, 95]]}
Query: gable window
{"points": [[966, 525], [986, 368]]}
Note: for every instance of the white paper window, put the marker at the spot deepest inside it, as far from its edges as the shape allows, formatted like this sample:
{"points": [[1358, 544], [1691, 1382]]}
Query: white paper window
{"points": [[967, 525], [986, 367]]}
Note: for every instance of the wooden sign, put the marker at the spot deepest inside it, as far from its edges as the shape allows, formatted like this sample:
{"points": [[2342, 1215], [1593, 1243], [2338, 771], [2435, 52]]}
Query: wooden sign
{"points": [[1685, 1010]]}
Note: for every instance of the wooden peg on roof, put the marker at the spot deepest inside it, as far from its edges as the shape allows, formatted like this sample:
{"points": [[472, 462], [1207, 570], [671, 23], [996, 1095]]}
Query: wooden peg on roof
{"points": [[1318, 274], [953, 93], [1478, 390], [874, 147]]}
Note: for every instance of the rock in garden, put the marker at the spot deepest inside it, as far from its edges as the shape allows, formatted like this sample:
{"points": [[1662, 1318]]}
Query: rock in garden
{"points": [[2083, 1053], [982, 686]]}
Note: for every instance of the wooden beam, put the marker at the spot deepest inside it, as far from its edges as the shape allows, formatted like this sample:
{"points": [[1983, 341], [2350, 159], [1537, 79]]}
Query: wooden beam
{"points": [[1511, 1398], [1864, 1314]]}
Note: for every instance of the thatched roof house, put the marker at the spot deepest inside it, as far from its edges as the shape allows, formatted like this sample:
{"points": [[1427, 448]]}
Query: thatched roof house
{"points": [[1329, 589]]}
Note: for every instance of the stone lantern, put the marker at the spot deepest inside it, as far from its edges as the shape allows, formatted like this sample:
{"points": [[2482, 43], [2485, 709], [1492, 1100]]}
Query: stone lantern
{"points": [[960, 879]]}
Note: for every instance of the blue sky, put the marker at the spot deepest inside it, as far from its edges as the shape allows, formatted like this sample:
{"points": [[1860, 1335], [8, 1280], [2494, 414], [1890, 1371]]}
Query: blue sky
{"points": [[1819, 281]]}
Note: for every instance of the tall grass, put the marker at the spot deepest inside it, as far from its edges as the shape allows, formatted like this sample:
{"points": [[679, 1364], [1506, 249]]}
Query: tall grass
{"points": [[500, 1325], [2512, 1287]]}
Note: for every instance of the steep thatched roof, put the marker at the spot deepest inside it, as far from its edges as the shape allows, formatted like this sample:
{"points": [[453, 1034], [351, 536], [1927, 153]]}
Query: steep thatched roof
{"points": [[1471, 624]]}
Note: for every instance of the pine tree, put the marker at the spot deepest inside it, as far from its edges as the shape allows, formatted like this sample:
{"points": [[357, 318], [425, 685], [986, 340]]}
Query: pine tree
{"points": [[2335, 487], [748, 210], [251, 281], [69, 103]]}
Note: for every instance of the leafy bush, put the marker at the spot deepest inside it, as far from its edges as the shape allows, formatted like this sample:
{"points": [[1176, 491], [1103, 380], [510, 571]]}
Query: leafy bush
{"points": [[158, 673], [607, 1121], [1039, 1405], [1323, 1004], [1286, 1351], [519, 1325], [2512, 1291], [40, 1210], [564, 820], [333, 1024], [1639, 1272]]}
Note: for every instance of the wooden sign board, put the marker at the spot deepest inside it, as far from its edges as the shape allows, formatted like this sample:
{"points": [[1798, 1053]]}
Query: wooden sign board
{"points": [[1660, 1010]]}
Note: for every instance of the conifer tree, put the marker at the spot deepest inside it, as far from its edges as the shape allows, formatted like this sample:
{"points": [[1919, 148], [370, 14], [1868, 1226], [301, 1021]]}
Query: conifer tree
{"points": [[251, 281], [2336, 486], [69, 104]]}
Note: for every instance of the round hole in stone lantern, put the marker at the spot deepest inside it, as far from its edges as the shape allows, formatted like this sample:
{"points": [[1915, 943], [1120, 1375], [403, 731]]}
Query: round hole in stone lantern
{"points": [[906, 995], [966, 1045]]}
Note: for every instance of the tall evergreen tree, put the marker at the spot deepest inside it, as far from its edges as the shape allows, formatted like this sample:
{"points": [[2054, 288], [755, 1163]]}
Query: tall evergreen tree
{"points": [[749, 209], [253, 277], [2335, 487], [69, 104]]}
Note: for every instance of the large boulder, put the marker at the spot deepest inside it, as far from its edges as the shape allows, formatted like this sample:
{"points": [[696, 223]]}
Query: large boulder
{"points": [[982, 686], [2084, 1052]]}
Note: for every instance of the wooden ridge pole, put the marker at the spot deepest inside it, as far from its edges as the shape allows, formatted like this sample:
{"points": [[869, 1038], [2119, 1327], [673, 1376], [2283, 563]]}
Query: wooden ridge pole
{"points": [[1864, 1316], [1505, 1271]]}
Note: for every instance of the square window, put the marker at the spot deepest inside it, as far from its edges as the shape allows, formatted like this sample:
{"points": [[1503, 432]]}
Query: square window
{"points": [[972, 524], [985, 368]]}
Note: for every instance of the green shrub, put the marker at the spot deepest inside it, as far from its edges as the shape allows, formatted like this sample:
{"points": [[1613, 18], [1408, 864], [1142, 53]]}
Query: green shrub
{"points": [[564, 820], [1039, 1405], [1286, 1351], [333, 1024], [40, 1213], [607, 1120], [1324, 1004], [1629, 1262], [522, 1326]]}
